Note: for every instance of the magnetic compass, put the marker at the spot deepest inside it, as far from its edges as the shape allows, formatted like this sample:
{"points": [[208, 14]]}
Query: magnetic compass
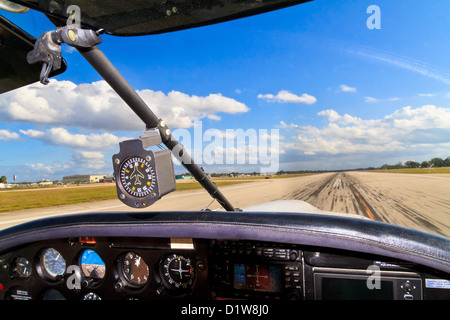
{"points": [[142, 176], [138, 177]]}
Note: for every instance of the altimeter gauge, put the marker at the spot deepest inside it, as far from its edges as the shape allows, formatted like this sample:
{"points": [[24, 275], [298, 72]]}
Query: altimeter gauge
{"points": [[134, 269]]}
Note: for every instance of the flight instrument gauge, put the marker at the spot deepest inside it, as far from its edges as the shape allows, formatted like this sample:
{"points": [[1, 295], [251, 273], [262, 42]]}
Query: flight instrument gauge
{"points": [[52, 264], [142, 176], [92, 267], [91, 296], [22, 268], [177, 273], [134, 269], [137, 177]]}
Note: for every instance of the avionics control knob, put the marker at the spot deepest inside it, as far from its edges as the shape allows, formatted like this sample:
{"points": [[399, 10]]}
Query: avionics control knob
{"points": [[408, 286], [293, 255], [294, 295]]}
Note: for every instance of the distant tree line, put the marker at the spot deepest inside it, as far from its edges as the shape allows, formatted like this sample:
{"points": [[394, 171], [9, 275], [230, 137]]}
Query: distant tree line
{"points": [[435, 163]]}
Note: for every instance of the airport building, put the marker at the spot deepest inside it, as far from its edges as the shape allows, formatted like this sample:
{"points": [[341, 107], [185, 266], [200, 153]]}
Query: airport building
{"points": [[92, 178]]}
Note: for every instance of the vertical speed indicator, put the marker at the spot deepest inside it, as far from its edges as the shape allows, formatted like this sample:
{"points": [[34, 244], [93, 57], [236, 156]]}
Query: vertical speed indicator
{"points": [[137, 177]]}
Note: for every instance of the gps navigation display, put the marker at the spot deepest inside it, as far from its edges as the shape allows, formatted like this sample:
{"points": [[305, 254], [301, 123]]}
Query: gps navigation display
{"points": [[263, 278]]}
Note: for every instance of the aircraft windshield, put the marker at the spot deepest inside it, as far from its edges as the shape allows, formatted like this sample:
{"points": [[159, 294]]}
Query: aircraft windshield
{"points": [[342, 104]]}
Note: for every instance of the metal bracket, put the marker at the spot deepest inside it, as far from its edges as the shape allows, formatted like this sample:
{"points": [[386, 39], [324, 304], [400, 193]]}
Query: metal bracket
{"points": [[47, 48], [151, 137]]}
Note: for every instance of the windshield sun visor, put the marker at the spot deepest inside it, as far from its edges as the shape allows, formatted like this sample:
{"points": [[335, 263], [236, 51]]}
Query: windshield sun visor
{"points": [[143, 17]]}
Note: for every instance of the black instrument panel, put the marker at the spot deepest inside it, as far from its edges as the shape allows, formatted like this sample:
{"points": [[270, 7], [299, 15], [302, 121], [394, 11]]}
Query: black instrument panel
{"points": [[205, 269]]}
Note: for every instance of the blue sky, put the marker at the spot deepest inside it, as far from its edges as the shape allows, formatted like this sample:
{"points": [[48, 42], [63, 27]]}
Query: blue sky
{"points": [[340, 94]]}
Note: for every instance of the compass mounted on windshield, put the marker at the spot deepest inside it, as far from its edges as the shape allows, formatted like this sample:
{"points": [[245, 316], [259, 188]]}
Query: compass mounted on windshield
{"points": [[143, 176]]}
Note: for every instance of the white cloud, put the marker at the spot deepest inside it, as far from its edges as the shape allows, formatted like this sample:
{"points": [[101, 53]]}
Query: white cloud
{"points": [[333, 116], [6, 135], [47, 169], [82, 162], [62, 137], [88, 155], [372, 100], [214, 117], [426, 95], [97, 106], [284, 125], [89, 160], [345, 88], [287, 97], [427, 117], [404, 130]]}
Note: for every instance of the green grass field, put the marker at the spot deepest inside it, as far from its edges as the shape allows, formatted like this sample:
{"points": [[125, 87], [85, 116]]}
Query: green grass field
{"points": [[11, 200], [417, 170]]}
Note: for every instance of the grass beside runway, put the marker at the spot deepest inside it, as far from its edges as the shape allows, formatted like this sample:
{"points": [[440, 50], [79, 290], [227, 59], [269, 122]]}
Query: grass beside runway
{"points": [[12, 200], [417, 170]]}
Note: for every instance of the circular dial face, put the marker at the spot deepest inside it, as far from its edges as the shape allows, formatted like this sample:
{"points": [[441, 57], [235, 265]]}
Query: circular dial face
{"points": [[23, 267], [92, 265], [91, 296], [53, 263], [134, 269], [137, 177], [178, 271]]}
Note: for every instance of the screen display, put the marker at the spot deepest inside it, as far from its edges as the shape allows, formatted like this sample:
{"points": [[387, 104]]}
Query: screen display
{"points": [[355, 289], [264, 278]]}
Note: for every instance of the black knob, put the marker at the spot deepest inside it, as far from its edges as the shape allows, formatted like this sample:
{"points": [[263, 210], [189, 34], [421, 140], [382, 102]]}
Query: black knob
{"points": [[293, 255], [408, 287], [294, 295]]}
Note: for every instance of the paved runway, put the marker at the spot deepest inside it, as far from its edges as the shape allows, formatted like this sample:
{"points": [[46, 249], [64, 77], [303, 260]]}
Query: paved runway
{"points": [[416, 201]]}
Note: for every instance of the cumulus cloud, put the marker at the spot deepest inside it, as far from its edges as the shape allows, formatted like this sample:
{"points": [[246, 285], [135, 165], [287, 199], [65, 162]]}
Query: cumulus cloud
{"points": [[372, 99], [333, 116], [345, 88], [53, 168], [81, 163], [62, 137], [96, 106], [6, 135], [405, 129], [429, 95], [89, 159], [285, 96]]}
